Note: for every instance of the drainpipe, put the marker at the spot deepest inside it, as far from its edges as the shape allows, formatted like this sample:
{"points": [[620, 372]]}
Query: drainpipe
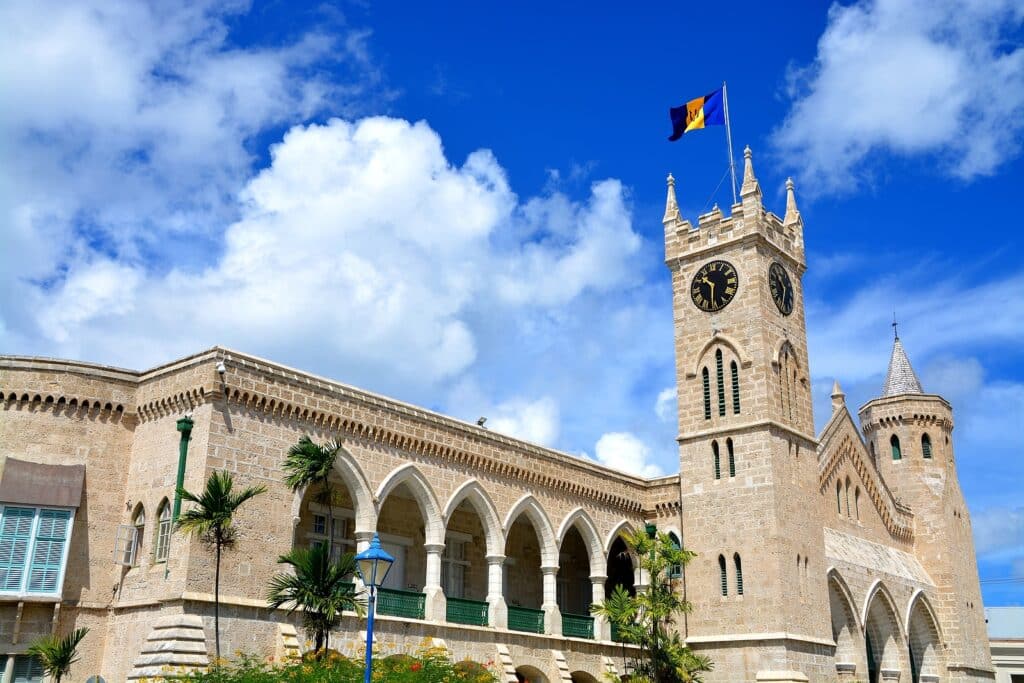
{"points": [[185, 425]]}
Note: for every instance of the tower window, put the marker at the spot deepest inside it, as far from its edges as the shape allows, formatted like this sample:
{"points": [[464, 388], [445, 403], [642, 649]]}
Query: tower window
{"points": [[718, 462], [163, 532], [723, 577], [707, 394], [926, 446], [735, 388], [894, 442], [847, 496], [839, 497], [719, 375], [676, 570], [856, 502], [732, 458], [739, 573]]}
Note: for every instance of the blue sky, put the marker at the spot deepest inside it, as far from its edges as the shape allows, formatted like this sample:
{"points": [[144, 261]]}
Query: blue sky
{"points": [[460, 205]]}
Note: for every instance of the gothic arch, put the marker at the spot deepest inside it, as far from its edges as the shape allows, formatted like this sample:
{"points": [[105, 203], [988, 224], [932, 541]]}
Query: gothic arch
{"points": [[529, 506], [924, 638], [846, 627], [588, 530], [623, 528], [358, 488], [883, 633], [418, 485], [472, 491], [726, 341]]}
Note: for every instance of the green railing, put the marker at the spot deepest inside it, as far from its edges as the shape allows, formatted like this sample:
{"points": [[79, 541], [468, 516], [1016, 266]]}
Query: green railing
{"points": [[525, 619], [615, 633], [577, 626], [348, 588], [462, 611], [396, 603]]}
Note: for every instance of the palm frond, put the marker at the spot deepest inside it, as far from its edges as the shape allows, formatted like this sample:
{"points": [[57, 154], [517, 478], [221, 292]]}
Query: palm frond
{"points": [[57, 654]]}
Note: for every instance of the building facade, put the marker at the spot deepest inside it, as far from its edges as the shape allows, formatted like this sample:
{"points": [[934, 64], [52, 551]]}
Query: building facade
{"points": [[842, 556]]}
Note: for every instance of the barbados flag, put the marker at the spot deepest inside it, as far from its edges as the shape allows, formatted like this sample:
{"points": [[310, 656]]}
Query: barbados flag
{"points": [[696, 114]]}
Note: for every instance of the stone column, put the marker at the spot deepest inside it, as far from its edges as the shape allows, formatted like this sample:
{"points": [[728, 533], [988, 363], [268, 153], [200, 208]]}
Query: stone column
{"points": [[552, 615], [363, 539], [436, 608], [8, 673], [497, 610], [602, 627]]}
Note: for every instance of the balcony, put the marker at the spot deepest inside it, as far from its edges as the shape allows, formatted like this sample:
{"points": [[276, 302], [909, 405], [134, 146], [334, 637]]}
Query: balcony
{"points": [[396, 603], [525, 619], [577, 626], [462, 611]]}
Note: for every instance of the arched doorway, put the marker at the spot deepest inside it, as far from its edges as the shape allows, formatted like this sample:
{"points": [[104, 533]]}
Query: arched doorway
{"points": [[925, 648], [882, 636], [849, 657]]}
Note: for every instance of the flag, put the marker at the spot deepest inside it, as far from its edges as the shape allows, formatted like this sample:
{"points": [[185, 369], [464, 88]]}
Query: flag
{"points": [[696, 114]]}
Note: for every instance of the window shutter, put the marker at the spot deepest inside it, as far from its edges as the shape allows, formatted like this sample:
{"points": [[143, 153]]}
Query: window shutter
{"points": [[27, 670], [48, 555], [707, 394], [926, 446], [739, 574], [718, 464], [732, 458], [722, 575], [125, 544], [15, 535], [894, 442], [719, 375], [735, 388]]}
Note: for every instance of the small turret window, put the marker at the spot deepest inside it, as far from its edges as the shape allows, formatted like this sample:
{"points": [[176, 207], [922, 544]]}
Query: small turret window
{"points": [[926, 446], [162, 542], [718, 462], [732, 458], [735, 388], [739, 574], [894, 442], [839, 497], [707, 394], [720, 376], [722, 576], [676, 570]]}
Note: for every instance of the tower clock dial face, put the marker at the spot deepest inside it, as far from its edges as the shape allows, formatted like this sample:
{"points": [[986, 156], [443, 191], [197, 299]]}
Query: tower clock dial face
{"points": [[781, 288], [714, 286]]}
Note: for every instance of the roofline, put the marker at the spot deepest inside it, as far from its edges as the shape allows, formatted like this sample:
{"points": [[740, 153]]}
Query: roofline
{"points": [[901, 397]]}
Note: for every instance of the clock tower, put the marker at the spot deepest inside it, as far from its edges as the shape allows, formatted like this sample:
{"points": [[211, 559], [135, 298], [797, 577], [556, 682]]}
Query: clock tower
{"points": [[748, 466]]}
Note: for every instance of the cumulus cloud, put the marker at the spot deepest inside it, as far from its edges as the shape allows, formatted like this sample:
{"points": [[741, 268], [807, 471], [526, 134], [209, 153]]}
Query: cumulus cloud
{"points": [[624, 451], [665, 404], [999, 533], [944, 78], [535, 421]]}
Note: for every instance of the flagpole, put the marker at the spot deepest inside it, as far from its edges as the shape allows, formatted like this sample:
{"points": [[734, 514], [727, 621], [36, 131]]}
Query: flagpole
{"points": [[728, 137]]}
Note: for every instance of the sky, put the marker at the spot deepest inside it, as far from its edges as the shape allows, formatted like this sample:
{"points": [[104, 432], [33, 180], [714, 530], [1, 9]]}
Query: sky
{"points": [[459, 204]]}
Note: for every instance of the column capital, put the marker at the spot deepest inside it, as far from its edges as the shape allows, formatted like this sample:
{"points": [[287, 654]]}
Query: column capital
{"points": [[598, 578], [495, 559], [549, 570], [365, 535], [434, 547]]}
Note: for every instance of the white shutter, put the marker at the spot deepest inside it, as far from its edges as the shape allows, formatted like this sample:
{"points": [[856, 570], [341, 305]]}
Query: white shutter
{"points": [[125, 544]]}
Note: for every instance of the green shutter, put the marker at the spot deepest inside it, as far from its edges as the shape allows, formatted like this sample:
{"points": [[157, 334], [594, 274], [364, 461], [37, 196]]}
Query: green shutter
{"points": [[926, 446], [15, 537], [48, 553], [739, 574], [718, 464], [897, 454], [732, 458], [735, 389], [719, 375], [707, 394]]}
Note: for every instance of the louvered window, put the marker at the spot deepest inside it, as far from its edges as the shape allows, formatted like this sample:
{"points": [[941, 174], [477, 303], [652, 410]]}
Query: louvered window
{"points": [[717, 459], [163, 533], [676, 570], [27, 670], [722, 575], [739, 574], [707, 394], [735, 388], [894, 442], [33, 549], [732, 458], [719, 375], [926, 446]]}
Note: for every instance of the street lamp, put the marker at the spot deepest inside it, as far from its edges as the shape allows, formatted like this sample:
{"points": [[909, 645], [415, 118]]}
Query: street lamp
{"points": [[373, 565]]}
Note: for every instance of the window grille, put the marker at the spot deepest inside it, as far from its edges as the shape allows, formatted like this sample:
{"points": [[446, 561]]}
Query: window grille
{"points": [[162, 545], [732, 458], [926, 446], [723, 577], [125, 545], [718, 464], [894, 442], [707, 394], [721, 382], [735, 388], [739, 574]]}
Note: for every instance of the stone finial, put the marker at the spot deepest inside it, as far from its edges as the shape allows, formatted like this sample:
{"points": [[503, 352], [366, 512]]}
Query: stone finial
{"points": [[792, 213], [750, 184], [838, 397], [671, 206]]}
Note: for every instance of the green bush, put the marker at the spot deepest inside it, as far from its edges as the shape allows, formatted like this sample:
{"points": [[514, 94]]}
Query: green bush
{"points": [[429, 665]]}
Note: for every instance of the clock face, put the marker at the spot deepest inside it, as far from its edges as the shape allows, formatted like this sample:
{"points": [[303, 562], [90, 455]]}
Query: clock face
{"points": [[781, 288], [714, 286]]}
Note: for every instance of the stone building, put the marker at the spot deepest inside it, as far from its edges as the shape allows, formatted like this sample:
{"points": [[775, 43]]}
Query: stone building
{"points": [[842, 556]]}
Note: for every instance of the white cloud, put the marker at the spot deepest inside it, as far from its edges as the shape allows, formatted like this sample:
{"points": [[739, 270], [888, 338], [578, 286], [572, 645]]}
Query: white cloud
{"points": [[665, 404], [535, 421], [624, 451], [937, 77], [999, 533]]}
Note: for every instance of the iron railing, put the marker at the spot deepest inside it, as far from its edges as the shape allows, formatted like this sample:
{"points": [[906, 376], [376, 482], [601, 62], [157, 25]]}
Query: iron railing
{"points": [[462, 611], [396, 603], [525, 619], [577, 626]]}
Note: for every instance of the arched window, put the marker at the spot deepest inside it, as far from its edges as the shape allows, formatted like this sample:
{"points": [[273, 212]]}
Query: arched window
{"points": [[872, 448], [839, 497], [139, 522], [739, 573], [735, 388], [856, 502], [847, 496], [732, 458], [723, 577], [718, 462], [926, 446], [894, 441], [719, 375], [163, 532], [676, 570], [707, 394]]}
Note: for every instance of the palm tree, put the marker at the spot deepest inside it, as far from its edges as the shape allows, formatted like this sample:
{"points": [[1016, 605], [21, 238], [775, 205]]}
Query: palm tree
{"points": [[309, 463], [210, 520], [318, 587], [58, 654]]}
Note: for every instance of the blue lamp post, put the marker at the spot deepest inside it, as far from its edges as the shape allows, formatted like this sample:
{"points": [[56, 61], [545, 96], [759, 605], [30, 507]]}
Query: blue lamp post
{"points": [[373, 565]]}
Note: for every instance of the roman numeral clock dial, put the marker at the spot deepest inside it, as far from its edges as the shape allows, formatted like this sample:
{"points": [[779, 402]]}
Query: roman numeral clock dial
{"points": [[781, 288], [714, 286]]}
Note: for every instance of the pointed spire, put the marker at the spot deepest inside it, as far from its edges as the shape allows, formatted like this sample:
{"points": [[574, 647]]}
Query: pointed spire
{"points": [[838, 397], [901, 378], [671, 206], [792, 213], [750, 184]]}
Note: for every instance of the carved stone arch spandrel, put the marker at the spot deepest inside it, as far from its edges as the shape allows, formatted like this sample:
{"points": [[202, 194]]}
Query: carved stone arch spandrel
{"points": [[533, 510], [424, 495], [477, 496]]}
